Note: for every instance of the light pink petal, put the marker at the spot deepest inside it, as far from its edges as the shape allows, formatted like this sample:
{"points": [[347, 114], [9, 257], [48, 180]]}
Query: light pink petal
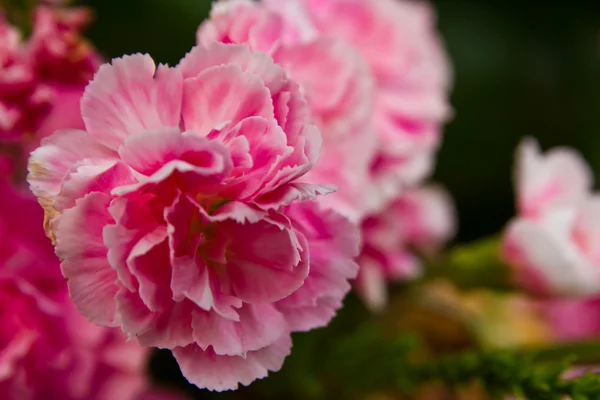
{"points": [[134, 220], [52, 161], [260, 325], [131, 96], [291, 192], [92, 281], [148, 152], [148, 261], [333, 244], [207, 370], [100, 177], [561, 177], [191, 278], [546, 259], [200, 168], [223, 95], [268, 268], [243, 21], [201, 58], [165, 329]]}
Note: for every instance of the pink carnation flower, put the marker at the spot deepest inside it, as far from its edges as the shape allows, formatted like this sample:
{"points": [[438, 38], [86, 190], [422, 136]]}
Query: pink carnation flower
{"points": [[398, 41], [335, 80], [423, 219], [48, 350], [553, 242], [178, 213]]}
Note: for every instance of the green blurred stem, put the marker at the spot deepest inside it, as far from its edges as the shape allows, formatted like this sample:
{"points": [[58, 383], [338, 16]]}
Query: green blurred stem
{"points": [[472, 265]]}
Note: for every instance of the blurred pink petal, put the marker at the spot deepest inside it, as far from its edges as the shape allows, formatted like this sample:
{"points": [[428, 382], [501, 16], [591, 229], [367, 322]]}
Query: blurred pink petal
{"points": [[404, 54], [422, 219], [48, 350]]}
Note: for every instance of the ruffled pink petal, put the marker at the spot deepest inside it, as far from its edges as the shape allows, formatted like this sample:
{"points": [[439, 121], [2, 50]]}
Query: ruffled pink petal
{"points": [[268, 268], [148, 152], [191, 277], [91, 280], [133, 221], [291, 192], [130, 96], [168, 328], [333, 244], [201, 58], [260, 325], [208, 370], [223, 95], [51, 162], [100, 177], [148, 262]]}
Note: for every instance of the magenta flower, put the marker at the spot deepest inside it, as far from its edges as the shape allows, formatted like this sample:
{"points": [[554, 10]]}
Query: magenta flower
{"points": [[48, 350], [573, 319], [335, 80], [179, 215], [422, 219], [552, 244], [23, 101], [399, 43], [42, 80], [64, 61]]}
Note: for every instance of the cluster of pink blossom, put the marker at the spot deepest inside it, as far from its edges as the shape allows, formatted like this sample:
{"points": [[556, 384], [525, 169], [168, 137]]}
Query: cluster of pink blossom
{"points": [[187, 203], [41, 81]]}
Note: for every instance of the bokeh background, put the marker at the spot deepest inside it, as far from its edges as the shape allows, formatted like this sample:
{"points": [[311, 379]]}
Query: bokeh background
{"points": [[521, 68]]}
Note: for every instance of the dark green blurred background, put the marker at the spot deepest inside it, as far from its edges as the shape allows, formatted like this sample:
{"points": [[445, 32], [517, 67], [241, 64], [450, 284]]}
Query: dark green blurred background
{"points": [[521, 68]]}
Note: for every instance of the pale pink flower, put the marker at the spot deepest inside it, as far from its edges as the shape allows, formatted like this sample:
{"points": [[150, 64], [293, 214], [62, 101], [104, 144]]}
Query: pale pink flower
{"points": [[399, 42], [47, 350], [335, 80], [177, 213], [422, 219], [553, 242]]}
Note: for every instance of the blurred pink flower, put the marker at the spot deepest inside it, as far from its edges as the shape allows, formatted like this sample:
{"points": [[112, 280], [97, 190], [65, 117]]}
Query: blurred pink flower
{"points": [[553, 243], [178, 213], [335, 80], [422, 219], [64, 61], [573, 319], [48, 350], [42, 79], [24, 102], [399, 42]]}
